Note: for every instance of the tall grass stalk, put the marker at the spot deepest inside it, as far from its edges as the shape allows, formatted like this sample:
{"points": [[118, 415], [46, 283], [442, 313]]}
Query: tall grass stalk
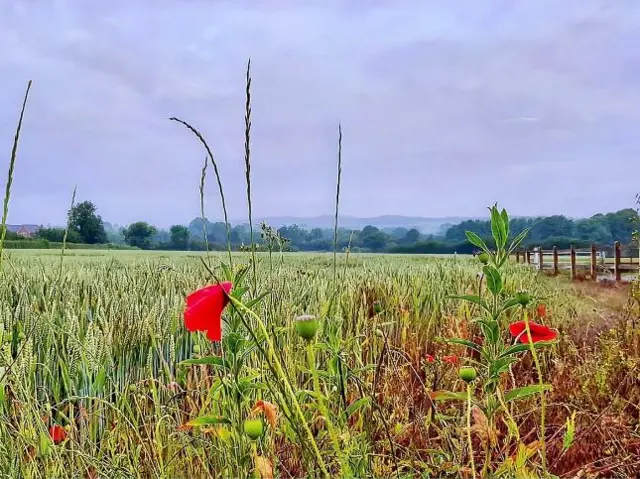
{"points": [[12, 164], [247, 165], [543, 402], [335, 226], [215, 169], [66, 232], [273, 357], [203, 176]]}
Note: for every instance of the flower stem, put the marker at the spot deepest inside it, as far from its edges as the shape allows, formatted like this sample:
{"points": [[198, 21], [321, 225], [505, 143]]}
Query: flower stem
{"points": [[283, 377], [311, 357], [542, 393], [473, 466]]}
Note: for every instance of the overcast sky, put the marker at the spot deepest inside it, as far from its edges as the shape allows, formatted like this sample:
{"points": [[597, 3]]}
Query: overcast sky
{"points": [[446, 106]]}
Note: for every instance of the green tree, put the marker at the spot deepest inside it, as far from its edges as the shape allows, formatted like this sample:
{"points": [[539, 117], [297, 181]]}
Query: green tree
{"points": [[84, 220], [373, 239], [412, 236], [56, 235], [139, 234], [179, 236]]}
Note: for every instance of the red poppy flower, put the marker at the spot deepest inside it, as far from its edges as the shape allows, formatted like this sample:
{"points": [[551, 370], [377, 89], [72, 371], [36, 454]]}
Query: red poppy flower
{"points": [[57, 433], [430, 358], [541, 310], [539, 332], [204, 309], [453, 359]]}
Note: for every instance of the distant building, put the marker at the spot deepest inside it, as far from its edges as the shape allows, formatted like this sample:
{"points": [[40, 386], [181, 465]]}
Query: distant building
{"points": [[28, 231]]}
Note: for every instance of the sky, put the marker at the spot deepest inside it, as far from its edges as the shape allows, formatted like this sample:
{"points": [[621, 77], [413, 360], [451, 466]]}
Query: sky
{"points": [[446, 107]]}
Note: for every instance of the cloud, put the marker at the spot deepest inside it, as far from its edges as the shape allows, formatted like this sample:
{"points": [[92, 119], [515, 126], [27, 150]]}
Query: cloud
{"points": [[438, 100]]}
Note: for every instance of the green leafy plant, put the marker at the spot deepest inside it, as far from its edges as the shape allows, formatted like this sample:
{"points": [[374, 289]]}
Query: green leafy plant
{"points": [[496, 352]]}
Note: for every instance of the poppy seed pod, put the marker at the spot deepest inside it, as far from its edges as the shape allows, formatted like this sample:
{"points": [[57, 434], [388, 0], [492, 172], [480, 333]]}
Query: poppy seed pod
{"points": [[306, 326], [467, 373], [523, 298], [483, 258], [254, 428], [377, 307]]}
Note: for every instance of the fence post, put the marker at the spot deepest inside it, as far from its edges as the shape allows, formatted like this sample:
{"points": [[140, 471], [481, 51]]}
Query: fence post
{"points": [[555, 260], [594, 263], [540, 258], [517, 255], [616, 265], [573, 262], [527, 254]]}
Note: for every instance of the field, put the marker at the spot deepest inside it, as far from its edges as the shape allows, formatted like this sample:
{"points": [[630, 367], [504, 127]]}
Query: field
{"points": [[94, 345]]}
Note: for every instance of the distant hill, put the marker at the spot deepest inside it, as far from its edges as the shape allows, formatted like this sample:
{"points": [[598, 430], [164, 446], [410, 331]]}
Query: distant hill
{"points": [[422, 224]]}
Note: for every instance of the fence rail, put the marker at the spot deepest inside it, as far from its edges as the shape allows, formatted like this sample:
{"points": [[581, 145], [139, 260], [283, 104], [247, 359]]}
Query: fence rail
{"points": [[606, 261]]}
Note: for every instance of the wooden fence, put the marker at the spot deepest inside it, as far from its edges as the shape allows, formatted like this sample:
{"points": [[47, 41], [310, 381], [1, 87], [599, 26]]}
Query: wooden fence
{"points": [[612, 262]]}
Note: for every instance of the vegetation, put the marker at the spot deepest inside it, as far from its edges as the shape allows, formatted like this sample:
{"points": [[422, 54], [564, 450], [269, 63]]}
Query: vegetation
{"points": [[102, 354], [257, 364], [602, 229]]}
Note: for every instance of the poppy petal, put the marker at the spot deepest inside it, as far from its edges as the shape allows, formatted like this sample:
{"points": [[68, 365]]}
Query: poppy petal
{"points": [[204, 309], [539, 332], [517, 328]]}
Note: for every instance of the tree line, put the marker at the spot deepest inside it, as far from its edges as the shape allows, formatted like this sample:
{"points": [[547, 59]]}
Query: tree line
{"points": [[85, 226]]}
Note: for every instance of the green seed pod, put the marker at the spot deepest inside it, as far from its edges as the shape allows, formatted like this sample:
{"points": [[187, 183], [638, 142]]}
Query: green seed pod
{"points": [[523, 298], [377, 307], [379, 333], [467, 373], [21, 336], [306, 326], [483, 258], [196, 348], [254, 428]]}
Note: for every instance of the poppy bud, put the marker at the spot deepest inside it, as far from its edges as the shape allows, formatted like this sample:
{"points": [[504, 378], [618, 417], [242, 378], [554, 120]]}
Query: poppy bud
{"points": [[196, 348], [306, 326], [483, 258], [254, 428], [21, 336], [377, 307], [379, 333], [523, 298], [467, 373]]}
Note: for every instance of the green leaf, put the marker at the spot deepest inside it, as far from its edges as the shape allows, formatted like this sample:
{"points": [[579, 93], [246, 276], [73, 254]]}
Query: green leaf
{"points": [[475, 240], [501, 365], [505, 220], [490, 329], [498, 229], [520, 348], [494, 280], [207, 360], [254, 301], [208, 421], [357, 406], [570, 433], [448, 396], [464, 342], [526, 391], [518, 239], [473, 299], [510, 303]]}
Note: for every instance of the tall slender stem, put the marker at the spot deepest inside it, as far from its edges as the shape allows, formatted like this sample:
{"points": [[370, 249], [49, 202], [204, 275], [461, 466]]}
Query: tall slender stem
{"points": [[542, 391], [335, 227], [247, 164], [324, 410], [12, 164], [473, 466], [285, 380], [219, 180]]}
